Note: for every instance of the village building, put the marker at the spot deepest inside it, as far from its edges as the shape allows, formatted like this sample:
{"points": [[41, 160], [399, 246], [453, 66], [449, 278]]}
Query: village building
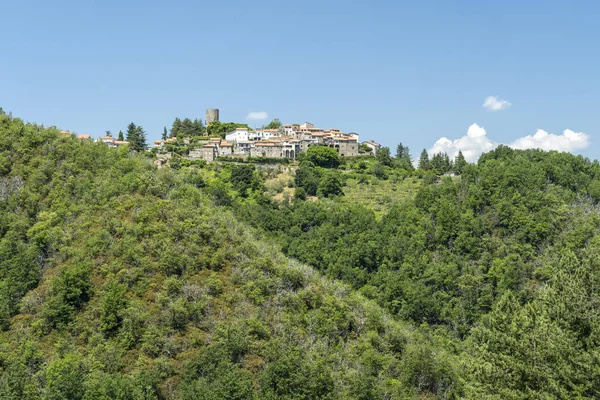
{"points": [[208, 153], [243, 148], [109, 140], [119, 143], [287, 142], [373, 146], [239, 135], [225, 149], [346, 146]]}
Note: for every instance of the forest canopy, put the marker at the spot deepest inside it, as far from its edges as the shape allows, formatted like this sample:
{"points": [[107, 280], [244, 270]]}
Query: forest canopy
{"points": [[228, 280]]}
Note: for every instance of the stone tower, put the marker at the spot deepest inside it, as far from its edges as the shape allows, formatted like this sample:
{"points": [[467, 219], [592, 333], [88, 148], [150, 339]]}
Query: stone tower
{"points": [[212, 115]]}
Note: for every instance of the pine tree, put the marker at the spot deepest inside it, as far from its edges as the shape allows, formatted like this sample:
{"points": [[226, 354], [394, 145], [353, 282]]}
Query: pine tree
{"points": [[132, 133], [198, 128], [424, 163], [108, 133], [460, 163], [187, 127], [447, 163], [164, 135], [141, 139], [136, 137], [408, 164], [176, 127], [383, 156], [400, 151], [121, 137]]}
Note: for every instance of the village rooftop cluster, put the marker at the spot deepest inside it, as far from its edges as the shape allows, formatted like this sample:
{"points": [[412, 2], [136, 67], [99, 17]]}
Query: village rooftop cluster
{"points": [[286, 142]]}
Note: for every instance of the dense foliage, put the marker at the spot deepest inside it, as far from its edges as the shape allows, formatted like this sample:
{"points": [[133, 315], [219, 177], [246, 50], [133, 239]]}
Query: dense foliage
{"points": [[121, 281], [218, 128], [186, 128], [502, 262]]}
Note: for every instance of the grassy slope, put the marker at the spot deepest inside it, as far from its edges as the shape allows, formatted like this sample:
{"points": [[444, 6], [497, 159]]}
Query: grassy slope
{"points": [[380, 195]]}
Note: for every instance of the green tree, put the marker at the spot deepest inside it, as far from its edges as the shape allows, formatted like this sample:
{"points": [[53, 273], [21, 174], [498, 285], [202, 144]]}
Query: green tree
{"points": [[441, 163], [198, 128], [330, 185], [323, 156], [121, 136], [274, 124], [378, 170], [403, 157], [460, 163], [364, 148], [176, 127], [136, 137], [400, 149], [113, 303], [383, 156], [164, 134], [218, 128], [243, 178], [424, 163], [65, 378], [308, 178], [300, 193], [108, 133]]}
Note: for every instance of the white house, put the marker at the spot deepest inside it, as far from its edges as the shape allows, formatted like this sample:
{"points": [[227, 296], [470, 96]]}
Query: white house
{"points": [[307, 125], [373, 146], [353, 135], [239, 135]]}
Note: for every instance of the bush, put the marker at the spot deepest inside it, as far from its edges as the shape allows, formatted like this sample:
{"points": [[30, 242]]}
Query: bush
{"points": [[323, 156], [300, 193], [330, 185]]}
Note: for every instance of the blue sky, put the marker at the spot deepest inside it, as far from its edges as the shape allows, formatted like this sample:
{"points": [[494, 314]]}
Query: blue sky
{"points": [[394, 71]]}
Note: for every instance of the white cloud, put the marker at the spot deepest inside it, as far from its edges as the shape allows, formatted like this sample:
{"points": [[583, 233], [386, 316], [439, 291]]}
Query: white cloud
{"points": [[257, 115], [568, 141], [471, 145], [494, 103], [476, 142]]}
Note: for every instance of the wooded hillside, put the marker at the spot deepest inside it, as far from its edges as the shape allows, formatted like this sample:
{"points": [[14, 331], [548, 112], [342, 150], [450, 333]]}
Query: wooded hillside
{"points": [[122, 281]]}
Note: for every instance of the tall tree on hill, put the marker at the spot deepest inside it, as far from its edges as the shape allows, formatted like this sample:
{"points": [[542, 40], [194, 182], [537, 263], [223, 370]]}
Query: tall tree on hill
{"points": [[136, 136], [187, 127], [424, 163], [399, 150], [108, 133], [403, 158], [460, 163], [383, 156], [121, 137], [176, 127], [441, 163], [198, 128], [164, 134]]}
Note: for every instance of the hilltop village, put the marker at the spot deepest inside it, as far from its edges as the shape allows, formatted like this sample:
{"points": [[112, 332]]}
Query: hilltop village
{"points": [[285, 142], [238, 141]]}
